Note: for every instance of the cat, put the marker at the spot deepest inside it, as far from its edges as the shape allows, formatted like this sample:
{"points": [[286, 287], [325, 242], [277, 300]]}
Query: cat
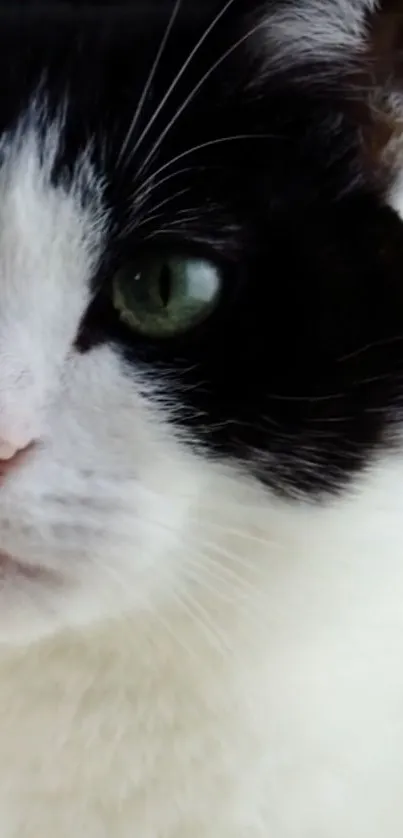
{"points": [[201, 413]]}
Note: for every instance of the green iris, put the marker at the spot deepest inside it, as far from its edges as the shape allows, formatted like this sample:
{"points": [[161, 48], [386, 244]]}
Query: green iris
{"points": [[164, 296]]}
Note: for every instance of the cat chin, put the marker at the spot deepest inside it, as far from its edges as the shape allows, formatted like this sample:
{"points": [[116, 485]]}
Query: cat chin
{"points": [[35, 606], [36, 603]]}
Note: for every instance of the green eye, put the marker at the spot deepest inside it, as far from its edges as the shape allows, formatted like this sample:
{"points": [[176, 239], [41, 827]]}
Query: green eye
{"points": [[164, 296]]}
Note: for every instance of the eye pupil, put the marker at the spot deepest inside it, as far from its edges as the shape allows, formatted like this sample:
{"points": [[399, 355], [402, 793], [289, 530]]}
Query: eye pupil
{"points": [[159, 297], [165, 284]]}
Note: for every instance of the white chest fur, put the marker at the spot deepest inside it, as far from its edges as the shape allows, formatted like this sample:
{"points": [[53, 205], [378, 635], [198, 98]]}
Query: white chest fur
{"points": [[277, 711]]}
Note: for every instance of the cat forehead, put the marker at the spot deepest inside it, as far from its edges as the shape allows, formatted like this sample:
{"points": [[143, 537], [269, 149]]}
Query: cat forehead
{"points": [[102, 53], [98, 57]]}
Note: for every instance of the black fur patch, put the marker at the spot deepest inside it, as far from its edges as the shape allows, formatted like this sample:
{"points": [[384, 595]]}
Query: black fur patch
{"points": [[300, 370]]}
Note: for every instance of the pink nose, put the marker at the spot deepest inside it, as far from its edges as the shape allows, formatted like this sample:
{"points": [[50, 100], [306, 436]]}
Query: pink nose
{"points": [[11, 456]]}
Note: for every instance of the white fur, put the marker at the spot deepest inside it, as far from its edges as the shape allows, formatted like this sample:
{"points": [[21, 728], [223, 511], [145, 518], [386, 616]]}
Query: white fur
{"points": [[330, 30], [268, 703], [194, 658], [395, 194]]}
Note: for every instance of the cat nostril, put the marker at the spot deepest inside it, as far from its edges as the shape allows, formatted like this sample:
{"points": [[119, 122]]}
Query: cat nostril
{"points": [[11, 455]]}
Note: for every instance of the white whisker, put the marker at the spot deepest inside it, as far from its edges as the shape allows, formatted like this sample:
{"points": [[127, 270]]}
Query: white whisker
{"points": [[168, 628], [206, 563], [149, 81], [172, 229], [219, 591], [150, 185], [222, 590], [179, 75], [143, 219], [238, 533], [204, 621], [178, 222], [193, 93], [207, 144], [226, 554]]}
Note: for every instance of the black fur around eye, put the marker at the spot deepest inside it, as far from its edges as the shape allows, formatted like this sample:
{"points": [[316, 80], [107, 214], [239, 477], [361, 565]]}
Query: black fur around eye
{"points": [[264, 169]]}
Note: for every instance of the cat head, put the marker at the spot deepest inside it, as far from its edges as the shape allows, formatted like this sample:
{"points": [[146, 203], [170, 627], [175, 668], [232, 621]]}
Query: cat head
{"points": [[200, 290]]}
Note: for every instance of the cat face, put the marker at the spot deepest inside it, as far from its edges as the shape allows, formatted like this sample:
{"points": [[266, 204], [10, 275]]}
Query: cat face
{"points": [[200, 289]]}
